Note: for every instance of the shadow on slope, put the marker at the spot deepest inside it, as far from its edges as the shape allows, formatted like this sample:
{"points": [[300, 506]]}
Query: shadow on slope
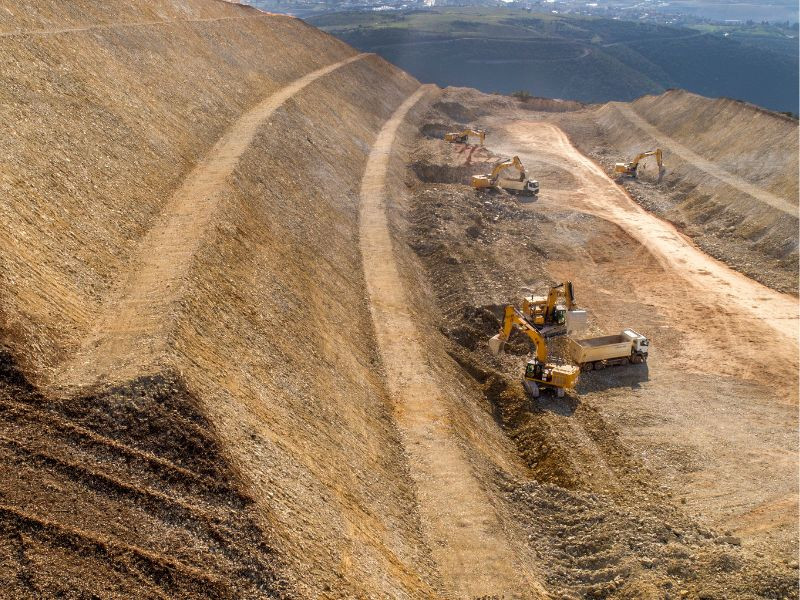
{"points": [[123, 493]]}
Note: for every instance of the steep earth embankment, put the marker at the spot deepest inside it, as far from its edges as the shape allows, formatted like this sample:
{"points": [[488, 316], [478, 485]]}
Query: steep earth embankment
{"points": [[191, 401], [731, 178]]}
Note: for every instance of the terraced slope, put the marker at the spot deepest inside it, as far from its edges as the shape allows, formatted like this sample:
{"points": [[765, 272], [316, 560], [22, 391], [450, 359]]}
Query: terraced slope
{"points": [[206, 417], [731, 174]]}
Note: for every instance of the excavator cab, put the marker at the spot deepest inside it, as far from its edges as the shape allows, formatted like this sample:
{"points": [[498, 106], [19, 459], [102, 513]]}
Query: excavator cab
{"points": [[534, 370]]}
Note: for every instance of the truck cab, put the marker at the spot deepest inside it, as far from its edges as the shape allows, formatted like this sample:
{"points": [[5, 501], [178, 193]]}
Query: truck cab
{"points": [[640, 345]]}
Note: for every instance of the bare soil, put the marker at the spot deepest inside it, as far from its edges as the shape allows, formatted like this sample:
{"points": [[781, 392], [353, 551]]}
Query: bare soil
{"points": [[731, 180], [244, 299], [703, 448]]}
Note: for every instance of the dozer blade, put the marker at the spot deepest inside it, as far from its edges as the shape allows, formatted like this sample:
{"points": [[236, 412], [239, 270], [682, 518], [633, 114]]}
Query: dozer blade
{"points": [[497, 344]]}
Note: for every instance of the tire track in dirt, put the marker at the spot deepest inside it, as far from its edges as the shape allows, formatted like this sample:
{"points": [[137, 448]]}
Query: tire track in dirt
{"points": [[701, 163], [134, 322], [712, 279], [463, 530], [100, 27]]}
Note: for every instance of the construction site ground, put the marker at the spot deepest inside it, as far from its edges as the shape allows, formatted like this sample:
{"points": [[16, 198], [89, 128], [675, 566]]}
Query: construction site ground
{"points": [[244, 303], [708, 425]]}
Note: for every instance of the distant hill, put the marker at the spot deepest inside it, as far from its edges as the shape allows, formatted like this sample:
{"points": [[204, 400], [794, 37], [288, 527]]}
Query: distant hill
{"points": [[587, 59]]}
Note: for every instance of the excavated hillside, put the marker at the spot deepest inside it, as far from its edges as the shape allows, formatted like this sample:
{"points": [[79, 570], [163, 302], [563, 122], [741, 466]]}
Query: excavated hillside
{"points": [[243, 302], [191, 401], [731, 180]]}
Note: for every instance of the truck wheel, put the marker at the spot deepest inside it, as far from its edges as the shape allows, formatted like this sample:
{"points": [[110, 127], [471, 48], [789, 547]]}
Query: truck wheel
{"points": [[598, 365], [587, 366]]}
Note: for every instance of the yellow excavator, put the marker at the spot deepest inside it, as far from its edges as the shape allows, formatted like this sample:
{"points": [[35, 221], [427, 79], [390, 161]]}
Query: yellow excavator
{"points": [[629, 169], [518, 185], [538, 372], [545, 310], [552, 318], [460, 137]]}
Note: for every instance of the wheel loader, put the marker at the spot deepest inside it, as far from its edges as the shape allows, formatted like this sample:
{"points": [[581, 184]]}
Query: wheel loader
{"points": [[521, 184], [539, 374]]}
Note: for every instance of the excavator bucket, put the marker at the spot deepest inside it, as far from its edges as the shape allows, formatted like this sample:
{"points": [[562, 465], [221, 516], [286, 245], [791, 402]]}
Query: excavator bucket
{"points": [[497, 344]]}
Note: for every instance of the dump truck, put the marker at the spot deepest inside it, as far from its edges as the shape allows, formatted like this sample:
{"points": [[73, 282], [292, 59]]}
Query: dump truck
{"points": [[626, 348]]}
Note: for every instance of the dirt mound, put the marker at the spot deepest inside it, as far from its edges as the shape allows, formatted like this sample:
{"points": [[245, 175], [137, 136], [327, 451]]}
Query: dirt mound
{"points": [[129, 485], [731, 174], [436, 131], [458, 112], [550, 104]]}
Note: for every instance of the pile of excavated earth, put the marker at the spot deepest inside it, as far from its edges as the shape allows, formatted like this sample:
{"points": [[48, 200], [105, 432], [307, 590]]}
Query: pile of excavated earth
{"points": [[245, 297]]}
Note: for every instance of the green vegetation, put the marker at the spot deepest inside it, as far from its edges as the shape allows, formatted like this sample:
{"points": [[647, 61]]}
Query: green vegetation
{"points": [[581, 58]]}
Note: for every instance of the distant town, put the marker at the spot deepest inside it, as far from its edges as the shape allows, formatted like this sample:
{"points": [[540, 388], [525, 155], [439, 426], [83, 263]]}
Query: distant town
{"points": [[677, 12]]}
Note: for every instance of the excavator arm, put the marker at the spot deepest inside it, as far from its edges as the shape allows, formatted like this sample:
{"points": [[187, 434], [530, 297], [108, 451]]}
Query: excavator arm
{"points": [[657, 153], [514, 163], [513, 318]]}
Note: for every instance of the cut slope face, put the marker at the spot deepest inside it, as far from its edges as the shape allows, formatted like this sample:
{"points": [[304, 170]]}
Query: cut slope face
{"points": [[254, 364], [731, 174]]}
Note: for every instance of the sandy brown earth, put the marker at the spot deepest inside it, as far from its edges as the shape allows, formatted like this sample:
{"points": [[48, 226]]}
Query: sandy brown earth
{"points": [[731, 179], [703, 423], [244, 301]]}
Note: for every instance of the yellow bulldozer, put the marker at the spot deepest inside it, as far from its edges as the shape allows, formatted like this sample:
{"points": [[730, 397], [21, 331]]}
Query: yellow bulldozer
{"points": [[461, 137], [522, 184], [629, 169], [539, 374]]}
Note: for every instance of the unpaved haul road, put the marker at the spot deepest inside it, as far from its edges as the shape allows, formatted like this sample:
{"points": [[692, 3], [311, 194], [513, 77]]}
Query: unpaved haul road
{"points": [[462, 528], [600, 196], [701, 163], [132, 324], [716, 416]]}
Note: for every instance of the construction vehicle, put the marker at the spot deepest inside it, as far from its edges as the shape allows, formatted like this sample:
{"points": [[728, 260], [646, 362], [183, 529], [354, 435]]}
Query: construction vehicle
{"points": [[460, 137], [629, 169], [610, 350], [538, 372], [519, 185], [552, 318]]}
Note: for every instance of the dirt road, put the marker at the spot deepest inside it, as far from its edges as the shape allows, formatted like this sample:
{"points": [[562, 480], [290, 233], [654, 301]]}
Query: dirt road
{"points": [[463, 530], [722, 432], [694, 159], [135, 321], [600, 196]]}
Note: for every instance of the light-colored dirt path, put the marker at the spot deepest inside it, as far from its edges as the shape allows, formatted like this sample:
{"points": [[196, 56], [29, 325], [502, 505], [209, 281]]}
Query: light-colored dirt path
{"points": [[134, 323], [100, 27], [462, 528], [691, 157], [716, 417], [601, 196]]}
